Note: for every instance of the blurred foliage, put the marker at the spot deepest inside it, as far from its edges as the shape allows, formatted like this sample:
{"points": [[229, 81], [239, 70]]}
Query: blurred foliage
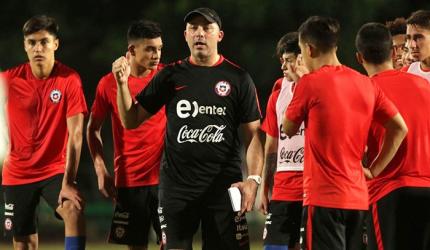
{"points": [[93, 34]]}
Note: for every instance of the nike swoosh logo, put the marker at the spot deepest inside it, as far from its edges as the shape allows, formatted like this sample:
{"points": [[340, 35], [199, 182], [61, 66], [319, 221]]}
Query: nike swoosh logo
{"points": [[177, 88]]}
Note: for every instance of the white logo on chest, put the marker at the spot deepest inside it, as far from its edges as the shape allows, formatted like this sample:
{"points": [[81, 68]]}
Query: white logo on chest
{"points": [[208, 134], [185, 109], [55, 96]]}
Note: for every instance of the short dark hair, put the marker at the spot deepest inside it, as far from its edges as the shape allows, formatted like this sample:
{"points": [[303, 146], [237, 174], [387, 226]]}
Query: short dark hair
{"points": [[397, 26], [420, 18], [374, 42], [289, 43], [321, 32], [40, 22], [143, 29]]}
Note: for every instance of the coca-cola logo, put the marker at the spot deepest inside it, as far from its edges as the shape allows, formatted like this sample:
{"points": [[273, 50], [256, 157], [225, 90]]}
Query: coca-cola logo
{"points": [[208, 134], [292, 156]]}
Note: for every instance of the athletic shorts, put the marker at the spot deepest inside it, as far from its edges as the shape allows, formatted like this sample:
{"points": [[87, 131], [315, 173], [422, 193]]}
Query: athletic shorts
{"points": [[222, 228], [332, 228], [21, 202], [401, 220], [135, 212], [282, 227]]}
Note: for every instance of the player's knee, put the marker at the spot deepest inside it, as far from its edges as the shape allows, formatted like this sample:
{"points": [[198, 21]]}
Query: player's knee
{"points": [[69, 211], [25, 242]]}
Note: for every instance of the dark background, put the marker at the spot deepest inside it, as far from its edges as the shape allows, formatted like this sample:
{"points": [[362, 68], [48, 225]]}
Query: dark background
{"points": [[93, 35]]}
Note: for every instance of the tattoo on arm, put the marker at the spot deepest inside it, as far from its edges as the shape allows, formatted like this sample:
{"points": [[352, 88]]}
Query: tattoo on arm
{"points": [[270, 169]]}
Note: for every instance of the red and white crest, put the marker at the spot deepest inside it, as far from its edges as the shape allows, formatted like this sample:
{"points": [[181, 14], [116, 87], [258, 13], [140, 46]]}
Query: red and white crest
{"points": [[119, 232], [223, 88], [8, 224], [55, 96]]}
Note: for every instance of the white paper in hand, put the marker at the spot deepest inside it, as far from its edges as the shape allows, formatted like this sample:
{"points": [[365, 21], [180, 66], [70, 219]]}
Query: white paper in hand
{"points": [[235, 198]]}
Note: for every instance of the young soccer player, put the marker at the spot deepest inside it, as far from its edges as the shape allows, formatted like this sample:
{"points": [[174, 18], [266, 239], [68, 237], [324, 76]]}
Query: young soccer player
{"points": [[399, 195], [46, 108], [337, 105]]}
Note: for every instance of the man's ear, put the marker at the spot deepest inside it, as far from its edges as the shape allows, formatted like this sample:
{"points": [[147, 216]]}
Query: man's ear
{"points": [[220, 35], [57, 43], [359, 57], [311, 50], [131, 49]]}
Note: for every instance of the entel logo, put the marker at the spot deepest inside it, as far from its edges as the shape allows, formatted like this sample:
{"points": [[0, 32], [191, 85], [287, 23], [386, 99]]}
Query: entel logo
{"points": [[185, 109]]}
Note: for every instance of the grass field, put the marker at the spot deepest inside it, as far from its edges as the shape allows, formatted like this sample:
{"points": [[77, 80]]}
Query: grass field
{"points": [[106, 246]]}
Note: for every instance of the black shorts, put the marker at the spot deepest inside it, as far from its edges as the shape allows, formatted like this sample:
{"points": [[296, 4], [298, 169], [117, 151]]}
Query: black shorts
{"points": [[332, 228], [21, 202], [221, 227], [135, 211], [401, 220], [282, 227]]}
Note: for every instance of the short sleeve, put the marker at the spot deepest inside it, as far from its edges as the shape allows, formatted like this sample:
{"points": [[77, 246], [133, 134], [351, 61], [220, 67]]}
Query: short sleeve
{"points": [[270, 123], [75, 97], [159, 90], [248, 101], [101, 105], [298, 108], [384, 108]]}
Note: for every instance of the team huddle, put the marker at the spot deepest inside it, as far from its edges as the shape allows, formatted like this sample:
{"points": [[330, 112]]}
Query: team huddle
{"points": [[345, 163]]}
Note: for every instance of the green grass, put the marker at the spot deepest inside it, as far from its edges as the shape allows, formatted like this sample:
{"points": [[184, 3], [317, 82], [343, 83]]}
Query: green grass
{"points": [[106, 246]]}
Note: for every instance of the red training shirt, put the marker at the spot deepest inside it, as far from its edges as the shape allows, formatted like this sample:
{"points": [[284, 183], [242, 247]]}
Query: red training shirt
{"points": [[278, 84], [411, 165], [337, 105], [137, 152], [37, 115]]}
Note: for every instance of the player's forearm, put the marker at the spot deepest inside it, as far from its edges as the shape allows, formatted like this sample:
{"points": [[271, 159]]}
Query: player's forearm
{"points": [[254, 155], [269, 170], [395, 132], [95, 145], [270, 163], [74, 146], [127, 110]]}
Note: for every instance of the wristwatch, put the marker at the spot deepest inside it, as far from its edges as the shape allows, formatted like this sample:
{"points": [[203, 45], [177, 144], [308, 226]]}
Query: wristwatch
{"points": [[255, 178]]}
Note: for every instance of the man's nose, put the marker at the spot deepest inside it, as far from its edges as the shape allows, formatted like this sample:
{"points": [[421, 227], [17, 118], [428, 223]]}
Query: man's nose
{"points": [[199, 31], [284, 66], [156, 55], [38, 47], [412, 43]]}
